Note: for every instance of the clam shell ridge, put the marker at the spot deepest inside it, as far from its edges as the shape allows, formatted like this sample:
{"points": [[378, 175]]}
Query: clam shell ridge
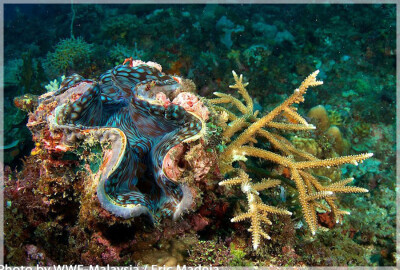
{"points": [[136, 131]]}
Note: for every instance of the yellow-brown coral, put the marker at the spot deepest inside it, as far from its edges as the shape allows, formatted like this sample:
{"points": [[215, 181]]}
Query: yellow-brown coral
{"points": [[320, 115], [258, 211], [242, 132], [340, 144]]}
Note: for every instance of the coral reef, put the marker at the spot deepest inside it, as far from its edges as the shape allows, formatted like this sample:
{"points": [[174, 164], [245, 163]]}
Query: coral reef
{"points": [[93, 122], [52, 213]]}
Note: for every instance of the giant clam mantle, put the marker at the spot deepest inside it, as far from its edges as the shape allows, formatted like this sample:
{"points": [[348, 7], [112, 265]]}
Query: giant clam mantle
{"points": [[126, 110]]}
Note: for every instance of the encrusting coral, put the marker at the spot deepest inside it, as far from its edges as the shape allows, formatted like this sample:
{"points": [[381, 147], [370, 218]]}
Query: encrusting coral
{"points": [[241, 134]]}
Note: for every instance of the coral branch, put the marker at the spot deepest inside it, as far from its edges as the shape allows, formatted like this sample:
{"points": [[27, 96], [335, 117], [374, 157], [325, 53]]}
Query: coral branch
{"points": [[242, 90], [240, 135], [296, 97], [333, 161], [257, 211], [225, 98]]}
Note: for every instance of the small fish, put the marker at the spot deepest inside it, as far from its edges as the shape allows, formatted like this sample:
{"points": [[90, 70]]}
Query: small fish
{"points": [[282, 194]]}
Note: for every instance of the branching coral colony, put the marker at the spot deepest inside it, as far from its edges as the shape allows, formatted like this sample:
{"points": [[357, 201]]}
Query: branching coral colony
{"points": [[240, 134]]}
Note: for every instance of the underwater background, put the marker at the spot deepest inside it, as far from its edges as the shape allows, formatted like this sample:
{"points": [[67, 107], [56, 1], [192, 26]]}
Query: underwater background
{"points": [[275, 47]]}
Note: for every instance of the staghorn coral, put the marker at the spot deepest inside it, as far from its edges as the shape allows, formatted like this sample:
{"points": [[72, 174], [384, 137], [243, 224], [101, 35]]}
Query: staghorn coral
{"points": [[242, 133], [257, 209]]}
